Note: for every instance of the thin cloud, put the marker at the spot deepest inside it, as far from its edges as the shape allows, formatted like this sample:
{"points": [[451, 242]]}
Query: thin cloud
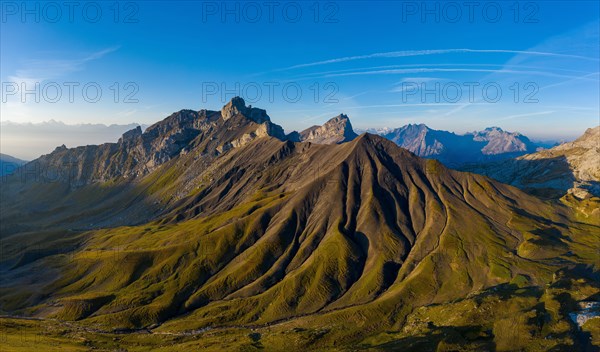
{"points": [[39, 70], [429, 70], [380, 106], [457, 109], [409, 53], [525, 115], [569, 81], [321, 74], [581, 108]]}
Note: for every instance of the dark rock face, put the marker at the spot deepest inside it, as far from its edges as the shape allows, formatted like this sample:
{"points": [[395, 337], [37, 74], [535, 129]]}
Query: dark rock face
{"points": [[293, 136]]}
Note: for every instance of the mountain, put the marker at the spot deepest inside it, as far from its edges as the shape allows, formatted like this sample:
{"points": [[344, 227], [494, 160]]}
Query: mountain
{"points": [[212, 230], [421, 140], [499, 141], [138, 153], [337, 130], [568, 168], [454, 150], [30, 140], [9, 164]]}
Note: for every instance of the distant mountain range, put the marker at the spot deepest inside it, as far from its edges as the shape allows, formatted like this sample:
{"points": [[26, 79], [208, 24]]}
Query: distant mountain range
{"points": [[455, 150], [452, 149], [30, 140], [568, 168]]}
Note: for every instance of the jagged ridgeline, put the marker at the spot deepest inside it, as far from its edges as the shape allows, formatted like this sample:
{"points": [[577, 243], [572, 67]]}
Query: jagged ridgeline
{"points": [[218, 219], [491, 144]]}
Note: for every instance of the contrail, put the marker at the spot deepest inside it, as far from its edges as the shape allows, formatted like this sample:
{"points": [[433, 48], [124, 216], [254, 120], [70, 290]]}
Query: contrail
{"points": [[431, 70], [408, 53], [525, 115]]}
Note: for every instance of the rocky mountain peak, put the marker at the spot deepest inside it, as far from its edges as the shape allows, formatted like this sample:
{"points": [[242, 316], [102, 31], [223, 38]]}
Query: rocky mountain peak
{"points": [[131, 135], [336, 130], [343, 118], [500, 141], [60, 148], [237, 106], [590, 140], [205, 133]]}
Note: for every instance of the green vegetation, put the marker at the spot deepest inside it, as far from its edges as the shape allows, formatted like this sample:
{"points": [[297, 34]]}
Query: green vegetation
{"points": [[378, 251]]}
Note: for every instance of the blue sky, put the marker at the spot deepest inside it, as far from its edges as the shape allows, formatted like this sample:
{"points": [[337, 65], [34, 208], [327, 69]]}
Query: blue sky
{"points": [[381, 63]]}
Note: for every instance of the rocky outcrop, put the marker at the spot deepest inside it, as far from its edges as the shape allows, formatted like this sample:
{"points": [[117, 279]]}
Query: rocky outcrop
{"points": [[131, 136], [263, 130], [583, 155], [237, 106], [335, 131]]}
